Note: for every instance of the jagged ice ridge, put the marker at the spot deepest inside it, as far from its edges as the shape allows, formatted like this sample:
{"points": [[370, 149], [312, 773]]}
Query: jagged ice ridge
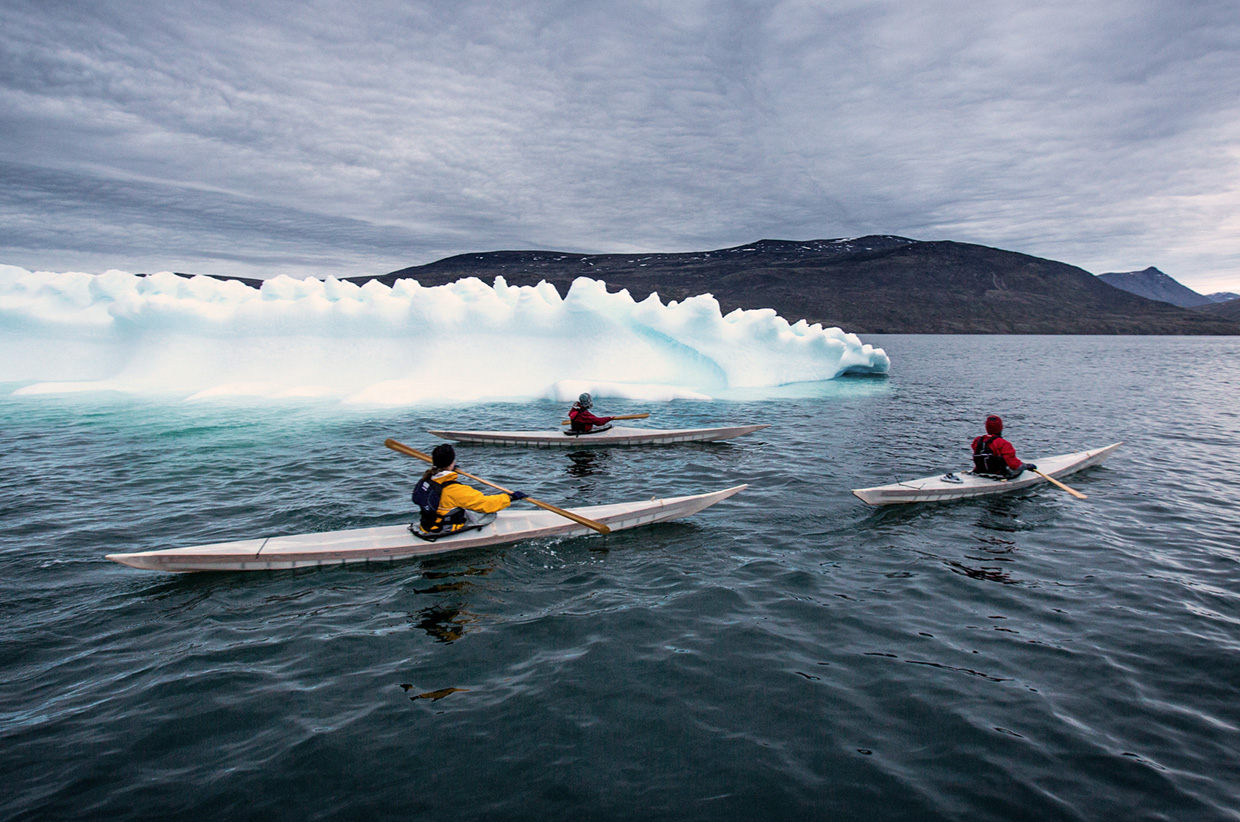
{"points": [[201, 337]]}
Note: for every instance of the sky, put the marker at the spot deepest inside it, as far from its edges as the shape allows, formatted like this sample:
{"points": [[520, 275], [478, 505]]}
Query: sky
{"points": [[338, 137]]}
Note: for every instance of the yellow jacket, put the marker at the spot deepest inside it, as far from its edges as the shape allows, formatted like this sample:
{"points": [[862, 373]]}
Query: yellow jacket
{"points": [[458, 495]]}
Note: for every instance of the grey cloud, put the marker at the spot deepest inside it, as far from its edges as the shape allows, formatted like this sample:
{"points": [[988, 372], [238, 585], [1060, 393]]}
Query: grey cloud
{"points": [[42, 210], [332, 133]]}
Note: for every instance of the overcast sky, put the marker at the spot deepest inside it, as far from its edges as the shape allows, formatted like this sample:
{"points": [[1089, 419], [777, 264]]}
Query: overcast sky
{"points": [[212, 136]]}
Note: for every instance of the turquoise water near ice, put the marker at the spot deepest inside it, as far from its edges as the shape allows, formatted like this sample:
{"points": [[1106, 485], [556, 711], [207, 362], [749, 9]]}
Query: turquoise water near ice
{"points": [[790, 653]]}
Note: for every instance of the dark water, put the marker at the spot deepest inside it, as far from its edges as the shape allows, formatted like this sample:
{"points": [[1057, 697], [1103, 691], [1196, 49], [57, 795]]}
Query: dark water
{"points": [[788, 654]]}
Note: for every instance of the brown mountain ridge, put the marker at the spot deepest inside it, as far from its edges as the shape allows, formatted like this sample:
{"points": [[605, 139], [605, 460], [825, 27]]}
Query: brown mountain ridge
{"points": [[1229, 310], [875, 284]]}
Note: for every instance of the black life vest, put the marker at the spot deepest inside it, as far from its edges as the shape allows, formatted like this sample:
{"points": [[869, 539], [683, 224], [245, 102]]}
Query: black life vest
{"points": [[426, 496], [986, 461]]}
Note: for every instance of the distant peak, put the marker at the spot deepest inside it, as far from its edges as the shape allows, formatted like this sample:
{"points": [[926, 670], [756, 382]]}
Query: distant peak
{"points": [[1151, 271], [1155, 285]]}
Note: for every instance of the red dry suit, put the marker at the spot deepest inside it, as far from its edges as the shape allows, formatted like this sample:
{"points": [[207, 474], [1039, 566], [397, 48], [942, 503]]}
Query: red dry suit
{"points": [[992, 454], [583, 420]]}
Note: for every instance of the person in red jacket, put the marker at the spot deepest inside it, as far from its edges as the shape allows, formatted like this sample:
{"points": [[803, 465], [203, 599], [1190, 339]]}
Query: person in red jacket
{"points": [[582, 421], [993, 456]]}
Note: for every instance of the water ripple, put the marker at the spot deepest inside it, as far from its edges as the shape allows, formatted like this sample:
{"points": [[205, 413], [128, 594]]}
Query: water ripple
{"points": [[787, 654]]}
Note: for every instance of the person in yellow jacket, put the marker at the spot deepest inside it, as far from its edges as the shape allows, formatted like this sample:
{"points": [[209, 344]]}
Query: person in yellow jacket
{"points": [[448, 505]]}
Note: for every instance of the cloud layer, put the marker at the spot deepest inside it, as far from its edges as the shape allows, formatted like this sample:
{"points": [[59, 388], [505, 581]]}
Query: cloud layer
{"points": [[347, 138]]}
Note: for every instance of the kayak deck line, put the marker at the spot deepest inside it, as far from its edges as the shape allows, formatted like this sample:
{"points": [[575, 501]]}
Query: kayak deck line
{"points": [[391, 543], [967, 485], [616, 435]]}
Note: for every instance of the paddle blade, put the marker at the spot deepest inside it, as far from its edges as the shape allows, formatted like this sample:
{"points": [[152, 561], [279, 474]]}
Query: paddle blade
{"points": [[1059, 484], [405, 449], [577, 518]]}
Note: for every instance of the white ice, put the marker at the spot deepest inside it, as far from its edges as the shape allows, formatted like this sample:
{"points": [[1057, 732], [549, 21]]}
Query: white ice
{"points": [[199, 337]]}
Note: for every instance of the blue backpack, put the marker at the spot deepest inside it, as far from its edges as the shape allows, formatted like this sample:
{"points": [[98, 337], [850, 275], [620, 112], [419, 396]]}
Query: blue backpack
{"points": [[426, 496]]}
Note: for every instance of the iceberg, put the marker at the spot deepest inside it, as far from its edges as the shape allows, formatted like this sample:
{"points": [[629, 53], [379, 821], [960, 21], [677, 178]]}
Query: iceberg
{"points": [[203, 338]]}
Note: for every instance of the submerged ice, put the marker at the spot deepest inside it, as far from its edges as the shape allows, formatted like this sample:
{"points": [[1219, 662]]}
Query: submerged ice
{"points": [[201, 337]]}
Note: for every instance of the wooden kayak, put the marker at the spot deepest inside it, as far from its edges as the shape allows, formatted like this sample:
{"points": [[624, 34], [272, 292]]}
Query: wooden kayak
{"points": [[965, 485], [395, 542], [616, 435]]}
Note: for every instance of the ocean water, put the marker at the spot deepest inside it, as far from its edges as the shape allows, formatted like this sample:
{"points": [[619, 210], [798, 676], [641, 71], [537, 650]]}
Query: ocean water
{"points": [[788, 654]]}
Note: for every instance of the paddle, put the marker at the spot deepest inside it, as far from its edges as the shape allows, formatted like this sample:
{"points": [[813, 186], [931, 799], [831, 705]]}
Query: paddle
{"points": [[621, 417], [589, 523], [1054, 481]]}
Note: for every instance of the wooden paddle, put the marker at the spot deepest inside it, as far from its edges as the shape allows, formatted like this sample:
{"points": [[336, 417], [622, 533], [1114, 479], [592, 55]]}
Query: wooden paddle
{"points": [[1054, 481], [621, 417], [589, 523]]}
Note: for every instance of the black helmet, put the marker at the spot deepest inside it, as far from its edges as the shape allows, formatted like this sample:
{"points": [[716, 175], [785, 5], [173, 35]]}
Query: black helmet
{"points": [[443, 455], [585, 400]]}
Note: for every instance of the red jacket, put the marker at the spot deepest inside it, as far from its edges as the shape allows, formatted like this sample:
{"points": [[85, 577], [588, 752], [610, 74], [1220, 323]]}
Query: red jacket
{"points": [[583, 420], [1000, 448]]}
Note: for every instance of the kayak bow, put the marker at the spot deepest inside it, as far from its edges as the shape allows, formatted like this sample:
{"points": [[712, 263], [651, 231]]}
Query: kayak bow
{"points": [[964, 485]]}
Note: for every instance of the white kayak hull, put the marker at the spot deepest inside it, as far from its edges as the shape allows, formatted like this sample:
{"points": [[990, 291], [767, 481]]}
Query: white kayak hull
{"points": [[937, 489], [616, 435], [395, 542]]}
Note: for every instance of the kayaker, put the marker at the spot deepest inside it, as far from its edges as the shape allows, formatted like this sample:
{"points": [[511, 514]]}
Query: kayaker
{"points": [[993, 456], [581, 421], [448, 505]]}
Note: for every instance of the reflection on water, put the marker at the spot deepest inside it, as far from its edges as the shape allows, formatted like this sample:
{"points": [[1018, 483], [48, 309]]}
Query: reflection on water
{"points": [[468, 572], [1004, 513], [587, 463], [449, 621], [984, 572], [431, 695], [996, 545], [445, 623]]}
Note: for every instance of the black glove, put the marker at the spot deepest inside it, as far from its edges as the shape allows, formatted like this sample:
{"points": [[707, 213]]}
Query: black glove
{"points": [[516, 495], [1029, 466]]}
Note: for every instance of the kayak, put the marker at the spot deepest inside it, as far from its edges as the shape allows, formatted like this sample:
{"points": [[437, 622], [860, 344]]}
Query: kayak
{"points": [[963, 484], [616, 435], [395, 542]]}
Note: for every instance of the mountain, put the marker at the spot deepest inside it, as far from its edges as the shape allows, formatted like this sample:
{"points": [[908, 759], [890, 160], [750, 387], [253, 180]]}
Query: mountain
{"points": [[1223, 296], [1155, 285], [875, 284], [1229, 310]]}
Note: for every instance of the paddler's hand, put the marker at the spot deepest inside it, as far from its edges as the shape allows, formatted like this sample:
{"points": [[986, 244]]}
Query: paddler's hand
{"points": [[1029, 466], [517, 495]]}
